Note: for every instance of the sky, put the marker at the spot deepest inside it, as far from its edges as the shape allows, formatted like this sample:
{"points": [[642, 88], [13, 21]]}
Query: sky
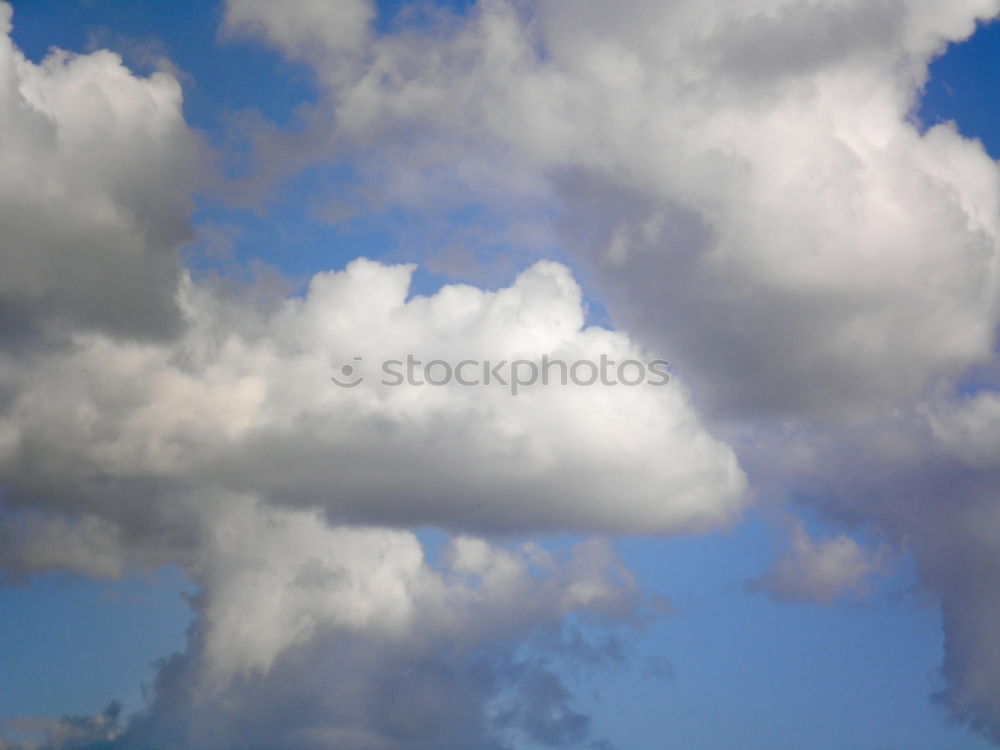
{"points": [[209, 210]]}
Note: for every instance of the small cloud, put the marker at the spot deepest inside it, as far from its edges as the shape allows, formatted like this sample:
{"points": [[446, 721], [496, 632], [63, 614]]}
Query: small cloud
{"points": [[67, 733], [819, 570]]}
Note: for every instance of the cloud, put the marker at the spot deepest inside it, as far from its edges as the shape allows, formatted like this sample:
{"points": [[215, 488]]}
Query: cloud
{"points": [[70, 732], [335, 33], [302, 578], [818, 571], [950, 518], [785, 180], [914, 480], [158, 418], [96, 170], [227, 450], [89, 545], [749, 190], [249, 407], [315, 636], [971, 428]]}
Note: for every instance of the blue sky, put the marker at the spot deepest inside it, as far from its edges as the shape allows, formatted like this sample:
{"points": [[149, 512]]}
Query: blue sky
{"points": [[749, 670]]}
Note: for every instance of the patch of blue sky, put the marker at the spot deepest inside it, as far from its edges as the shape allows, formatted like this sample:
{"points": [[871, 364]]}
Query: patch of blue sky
{"points": [[70, 645], [220, 77], [753, 673], [390, 13], [285, 232], [964, 87]]}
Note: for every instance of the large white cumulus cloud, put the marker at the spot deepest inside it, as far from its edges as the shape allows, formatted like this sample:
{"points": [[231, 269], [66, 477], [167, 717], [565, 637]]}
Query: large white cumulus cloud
{"points": [[250, 407]]}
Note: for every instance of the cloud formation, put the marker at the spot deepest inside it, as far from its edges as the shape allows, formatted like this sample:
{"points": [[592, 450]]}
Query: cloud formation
{"points": [[96, 172], [159, 418], [250, 407], [764, 156], [316, 636], [747, 188]]}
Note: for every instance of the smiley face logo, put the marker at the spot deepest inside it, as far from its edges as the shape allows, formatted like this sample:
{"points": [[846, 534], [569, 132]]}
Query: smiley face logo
{"points": [[348, 376]]}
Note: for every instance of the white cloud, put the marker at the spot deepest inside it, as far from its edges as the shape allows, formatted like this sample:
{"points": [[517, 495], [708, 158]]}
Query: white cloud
{"points": [[819, 571], [252, 409], [301, 578], [315, 636], [96, 169], [308, 29], [970, 428]]}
